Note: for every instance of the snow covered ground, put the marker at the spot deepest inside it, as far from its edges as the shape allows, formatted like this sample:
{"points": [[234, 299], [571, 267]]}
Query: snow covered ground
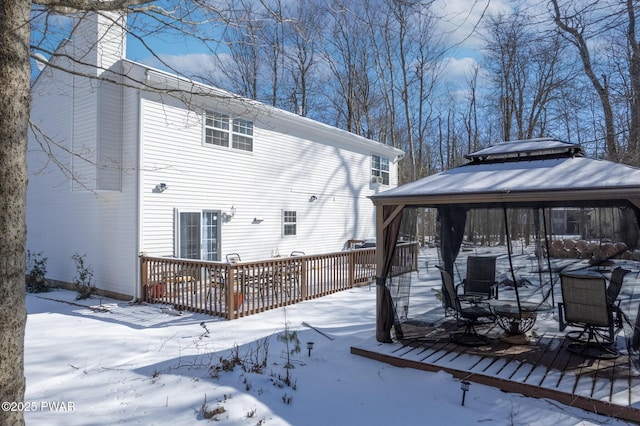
{"points": [[100, 361]]}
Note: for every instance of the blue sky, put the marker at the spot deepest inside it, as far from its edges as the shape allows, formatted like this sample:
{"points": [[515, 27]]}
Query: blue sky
{"points": [[459, 19]]}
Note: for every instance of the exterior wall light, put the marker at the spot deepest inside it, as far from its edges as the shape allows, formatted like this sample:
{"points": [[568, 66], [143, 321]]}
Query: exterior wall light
{"points": [[227, 216]]}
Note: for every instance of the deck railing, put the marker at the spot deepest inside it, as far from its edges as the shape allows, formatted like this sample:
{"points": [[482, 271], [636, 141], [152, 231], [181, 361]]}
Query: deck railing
{"points": [[233, 290]]}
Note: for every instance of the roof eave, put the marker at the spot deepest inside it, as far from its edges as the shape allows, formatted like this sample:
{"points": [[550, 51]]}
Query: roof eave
{"points": [[543, 198]]}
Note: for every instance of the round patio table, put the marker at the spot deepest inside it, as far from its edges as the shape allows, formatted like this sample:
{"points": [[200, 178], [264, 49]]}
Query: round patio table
{"points": [[515, 324]]}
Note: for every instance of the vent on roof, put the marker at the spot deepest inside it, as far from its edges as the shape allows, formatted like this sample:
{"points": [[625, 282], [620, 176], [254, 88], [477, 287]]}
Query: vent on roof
{"points": [[527, 149]]}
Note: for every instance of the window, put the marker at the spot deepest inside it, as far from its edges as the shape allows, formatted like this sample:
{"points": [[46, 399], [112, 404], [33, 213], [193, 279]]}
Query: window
{"points": [[379, 169], [289, 223], [242, 134], [216, 129], [219, 129], [189, 235], [198, 235]]}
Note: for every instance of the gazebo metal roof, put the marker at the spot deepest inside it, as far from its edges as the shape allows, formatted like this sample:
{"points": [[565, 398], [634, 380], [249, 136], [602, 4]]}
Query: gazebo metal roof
{"points": [[538, 172]]}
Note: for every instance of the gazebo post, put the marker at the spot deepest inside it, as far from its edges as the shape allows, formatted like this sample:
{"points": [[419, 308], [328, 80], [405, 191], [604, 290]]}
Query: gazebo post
{"points": [[388, 219], [380, 256]]}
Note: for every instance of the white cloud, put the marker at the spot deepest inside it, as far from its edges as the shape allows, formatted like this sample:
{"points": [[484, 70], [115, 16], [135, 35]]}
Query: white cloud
{"points": [[460, 20], [191, 64], [458, 69]]}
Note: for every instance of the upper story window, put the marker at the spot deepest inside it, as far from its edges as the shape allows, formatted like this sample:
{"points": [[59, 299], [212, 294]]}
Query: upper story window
{"points": [[379, 169], [242, 134], [216, 128], [220, 129]]}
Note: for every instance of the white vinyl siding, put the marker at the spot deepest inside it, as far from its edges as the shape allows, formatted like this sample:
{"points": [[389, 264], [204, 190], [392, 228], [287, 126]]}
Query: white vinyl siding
{"points": [[68, 216], [109, 152], [285, 169]]}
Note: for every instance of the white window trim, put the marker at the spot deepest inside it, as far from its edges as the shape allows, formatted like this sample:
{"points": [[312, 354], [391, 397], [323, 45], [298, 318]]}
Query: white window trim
{"points": [[284, 223], [378, 179], [206, 127], [230, 131], [177, 230]]}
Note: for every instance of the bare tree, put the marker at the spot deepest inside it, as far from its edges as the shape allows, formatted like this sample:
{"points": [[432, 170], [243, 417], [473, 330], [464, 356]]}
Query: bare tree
{"points": [[14, 118], [385, 69], [529, 72], [407, 56], [304, 37], [241, 68], [16, 49], [634, 81], [273, 34], [349, 57], [573, 23], [471, 116]]}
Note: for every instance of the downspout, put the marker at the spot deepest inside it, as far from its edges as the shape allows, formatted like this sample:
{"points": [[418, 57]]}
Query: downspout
{"points": [[138, 192]]}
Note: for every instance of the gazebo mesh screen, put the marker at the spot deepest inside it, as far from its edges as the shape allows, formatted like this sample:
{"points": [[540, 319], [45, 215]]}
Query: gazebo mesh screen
{"points": [[399, 283]]}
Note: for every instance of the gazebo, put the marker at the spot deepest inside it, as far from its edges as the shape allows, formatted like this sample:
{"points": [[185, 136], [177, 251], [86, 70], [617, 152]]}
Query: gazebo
{"points": [[535, 173]]}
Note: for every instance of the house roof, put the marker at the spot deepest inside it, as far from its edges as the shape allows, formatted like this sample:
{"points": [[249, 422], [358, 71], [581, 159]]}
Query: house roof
{"points": [[537, 172], [180, 86]]}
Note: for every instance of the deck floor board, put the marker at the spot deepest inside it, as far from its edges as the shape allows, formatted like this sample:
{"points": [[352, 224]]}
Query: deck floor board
{"points": [[541, 368]]}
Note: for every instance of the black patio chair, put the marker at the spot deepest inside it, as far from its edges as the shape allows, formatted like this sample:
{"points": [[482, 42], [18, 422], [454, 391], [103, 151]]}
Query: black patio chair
{"points": [[585, 305], [613, 291], [481, 277], [471, 312]]}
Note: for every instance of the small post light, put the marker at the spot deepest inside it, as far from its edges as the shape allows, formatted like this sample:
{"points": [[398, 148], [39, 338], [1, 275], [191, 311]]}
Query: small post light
{"points": [[206, 330], [309, 347], [464, 385]]}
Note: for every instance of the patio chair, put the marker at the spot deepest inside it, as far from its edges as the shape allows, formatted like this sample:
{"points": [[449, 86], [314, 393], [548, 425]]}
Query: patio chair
{"points": [[470, 313], [241, 279], [613, 291], [286, 278], [481, 277], [585, 305]]}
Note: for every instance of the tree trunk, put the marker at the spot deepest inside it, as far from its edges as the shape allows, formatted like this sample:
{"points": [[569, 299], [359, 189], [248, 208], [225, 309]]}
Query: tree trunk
{"points": [[576, 37], [14, 118], [634, 78]]}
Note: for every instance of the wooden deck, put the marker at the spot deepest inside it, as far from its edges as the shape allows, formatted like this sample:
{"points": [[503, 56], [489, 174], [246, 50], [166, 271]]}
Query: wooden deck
{"points": [[541, 369], [234, 290]]}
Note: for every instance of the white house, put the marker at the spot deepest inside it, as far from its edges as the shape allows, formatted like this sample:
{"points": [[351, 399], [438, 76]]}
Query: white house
{"points": [[153, 163]]}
